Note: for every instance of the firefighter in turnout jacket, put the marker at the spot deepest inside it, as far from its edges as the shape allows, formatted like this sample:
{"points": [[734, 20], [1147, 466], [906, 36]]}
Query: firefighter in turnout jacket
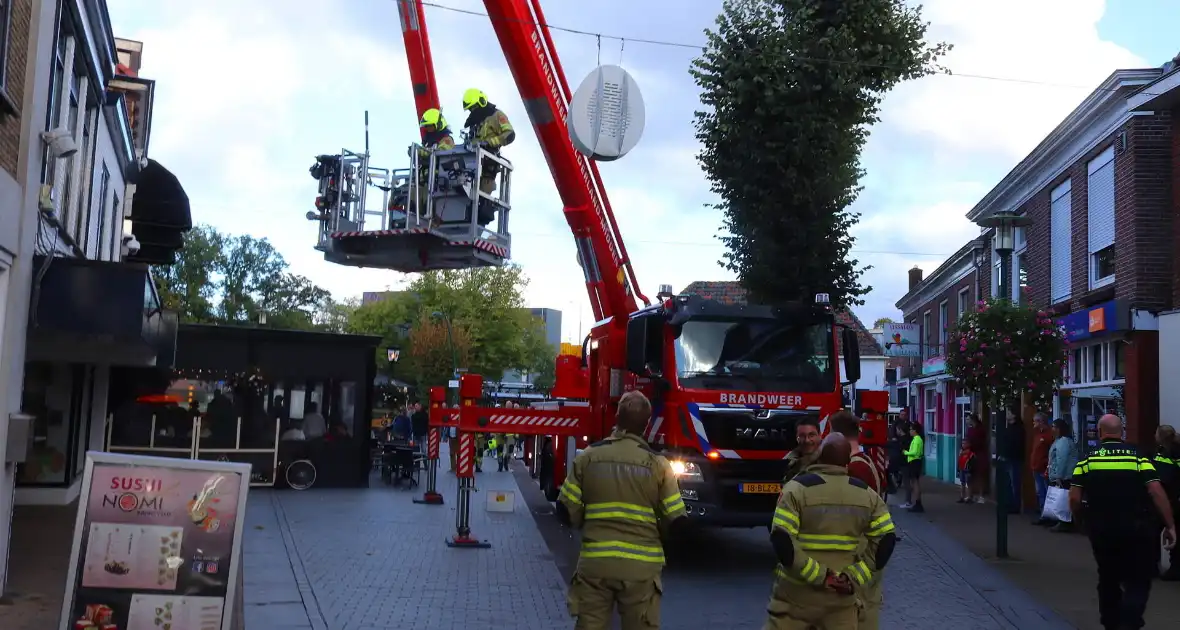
{"points": [[807, 439], [831, 535], [862, 467], [436, 135], [618, 491], [490, 128]]}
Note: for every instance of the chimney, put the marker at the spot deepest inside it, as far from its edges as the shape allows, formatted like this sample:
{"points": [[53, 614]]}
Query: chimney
{"points": [[915, 277]]}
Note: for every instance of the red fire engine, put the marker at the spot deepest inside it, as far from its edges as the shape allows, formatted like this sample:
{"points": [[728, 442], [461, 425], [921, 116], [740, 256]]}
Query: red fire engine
{"points": [[728, 382]]}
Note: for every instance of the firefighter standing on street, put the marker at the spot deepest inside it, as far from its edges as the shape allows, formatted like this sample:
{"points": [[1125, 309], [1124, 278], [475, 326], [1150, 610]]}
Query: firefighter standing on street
{"points": [[861, 466], [1120, 487], [618, 492], [807, 438], [831, 535]]}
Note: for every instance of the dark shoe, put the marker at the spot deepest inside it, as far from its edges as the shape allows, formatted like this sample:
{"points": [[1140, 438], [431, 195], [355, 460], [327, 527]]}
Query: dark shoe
{"points": [[961, 500], [917, 509]]}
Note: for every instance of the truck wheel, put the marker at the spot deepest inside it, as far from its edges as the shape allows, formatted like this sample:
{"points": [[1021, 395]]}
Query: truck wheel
{"points": [[551, 492]]}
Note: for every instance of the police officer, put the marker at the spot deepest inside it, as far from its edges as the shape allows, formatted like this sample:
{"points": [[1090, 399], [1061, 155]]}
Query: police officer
{"points": [[807, 449], [1167, 464], [832, 535], [1120, 487], [618, 492]]}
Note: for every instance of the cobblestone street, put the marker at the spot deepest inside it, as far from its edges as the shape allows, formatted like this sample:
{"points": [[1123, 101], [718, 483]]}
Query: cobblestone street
{"points": [[372, 559]]}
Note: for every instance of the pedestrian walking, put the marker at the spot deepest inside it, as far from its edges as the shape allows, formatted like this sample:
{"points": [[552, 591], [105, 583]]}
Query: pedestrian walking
{"points": [[1038, 462], [1120, 487], [618, 492], [832, 535], [1167, 464], [915, 456]]}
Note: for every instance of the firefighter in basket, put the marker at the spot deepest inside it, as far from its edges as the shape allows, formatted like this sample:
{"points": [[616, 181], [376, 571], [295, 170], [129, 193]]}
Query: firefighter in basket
{"points": [[436, 136], [489, 128]]}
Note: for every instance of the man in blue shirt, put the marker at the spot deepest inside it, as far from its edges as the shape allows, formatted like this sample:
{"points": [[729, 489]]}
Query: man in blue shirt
{"points": [[401, 426]]}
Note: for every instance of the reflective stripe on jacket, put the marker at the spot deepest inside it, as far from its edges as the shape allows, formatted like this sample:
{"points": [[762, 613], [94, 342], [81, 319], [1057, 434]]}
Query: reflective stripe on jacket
{"points": [[835, 522], [618, 491]]}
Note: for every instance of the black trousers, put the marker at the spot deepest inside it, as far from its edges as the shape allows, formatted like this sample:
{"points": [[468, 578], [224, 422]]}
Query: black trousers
{"points": [[1127, 561]]}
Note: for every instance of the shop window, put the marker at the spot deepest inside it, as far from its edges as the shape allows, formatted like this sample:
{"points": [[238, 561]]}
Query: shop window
{"points": [[345, 411], [1120, 357], [59, 397], [927, 337], [943, 316], [929, 410]]}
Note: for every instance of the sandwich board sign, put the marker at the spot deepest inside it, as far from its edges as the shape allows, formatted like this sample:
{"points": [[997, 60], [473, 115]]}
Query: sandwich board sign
{"points": [[157, 543]]}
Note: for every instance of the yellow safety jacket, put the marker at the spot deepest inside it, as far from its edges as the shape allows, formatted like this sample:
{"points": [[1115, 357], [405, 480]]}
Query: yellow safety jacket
{"points": [[836, 522], [617, 491], [797, 462], [496, 130]]}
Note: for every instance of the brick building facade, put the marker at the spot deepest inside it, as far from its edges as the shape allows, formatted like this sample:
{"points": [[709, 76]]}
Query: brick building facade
{"points": [[935, 303], [1100, 251], [1160, 101]]}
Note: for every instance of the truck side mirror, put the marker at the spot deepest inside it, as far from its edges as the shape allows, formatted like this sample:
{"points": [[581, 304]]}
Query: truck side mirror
{"points": [[644, 345], [851, 346]]}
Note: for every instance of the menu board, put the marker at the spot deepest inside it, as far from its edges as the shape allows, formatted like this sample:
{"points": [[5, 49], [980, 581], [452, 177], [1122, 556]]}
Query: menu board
{"points": [[156, 544]]}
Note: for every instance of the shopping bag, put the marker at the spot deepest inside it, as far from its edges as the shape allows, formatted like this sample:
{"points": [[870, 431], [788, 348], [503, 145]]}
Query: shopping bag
{"points": [[1057, 505], [1165, 556]]}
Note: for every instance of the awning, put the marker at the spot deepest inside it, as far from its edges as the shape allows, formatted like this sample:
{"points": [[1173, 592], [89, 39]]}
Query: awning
{"points": [[88, 311], [160, 200]]}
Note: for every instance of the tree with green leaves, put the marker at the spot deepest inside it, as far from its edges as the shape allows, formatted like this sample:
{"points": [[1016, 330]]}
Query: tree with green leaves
{"points": [[881, 321], [219, 278], [189, 286], [486, 304], [789, 89]]}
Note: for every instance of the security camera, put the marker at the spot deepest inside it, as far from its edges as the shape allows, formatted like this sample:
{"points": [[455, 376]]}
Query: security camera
{"points": [[60, 142], [132, 244]]}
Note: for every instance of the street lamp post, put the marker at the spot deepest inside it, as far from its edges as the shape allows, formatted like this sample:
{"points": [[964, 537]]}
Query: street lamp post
{"points": [[1004, 240]]}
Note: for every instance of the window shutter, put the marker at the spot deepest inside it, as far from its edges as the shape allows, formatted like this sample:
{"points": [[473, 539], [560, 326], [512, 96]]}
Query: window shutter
{"points": [[1061, 247], [1100, 201]]}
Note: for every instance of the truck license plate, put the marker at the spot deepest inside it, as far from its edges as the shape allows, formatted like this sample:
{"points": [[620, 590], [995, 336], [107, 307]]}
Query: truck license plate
{"points": [[761, 488]]}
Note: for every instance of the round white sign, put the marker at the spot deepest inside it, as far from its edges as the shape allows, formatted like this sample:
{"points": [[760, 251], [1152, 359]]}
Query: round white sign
{"points": [[606, 115]]}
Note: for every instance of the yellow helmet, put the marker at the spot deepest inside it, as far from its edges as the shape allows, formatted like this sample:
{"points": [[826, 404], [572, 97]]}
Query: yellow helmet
{"points": [[432, 117], [474, 98]]}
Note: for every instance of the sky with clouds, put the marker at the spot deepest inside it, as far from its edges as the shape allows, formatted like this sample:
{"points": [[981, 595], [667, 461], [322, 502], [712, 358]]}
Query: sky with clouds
{"points": [[249, 92]]}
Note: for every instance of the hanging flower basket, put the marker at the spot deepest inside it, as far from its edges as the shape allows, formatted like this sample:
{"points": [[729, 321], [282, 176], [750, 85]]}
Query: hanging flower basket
{"points": [[1002, 350]]}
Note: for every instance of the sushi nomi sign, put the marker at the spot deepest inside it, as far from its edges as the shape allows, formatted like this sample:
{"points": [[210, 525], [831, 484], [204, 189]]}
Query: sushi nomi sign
{"points": [[157, 544]]}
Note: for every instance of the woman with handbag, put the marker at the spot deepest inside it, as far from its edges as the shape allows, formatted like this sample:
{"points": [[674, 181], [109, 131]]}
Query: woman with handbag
{"points": [[1063, 457]]}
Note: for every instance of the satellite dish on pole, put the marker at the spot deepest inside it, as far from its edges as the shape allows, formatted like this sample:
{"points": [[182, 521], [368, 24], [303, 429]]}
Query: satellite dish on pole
{"points": [[606, 115]]}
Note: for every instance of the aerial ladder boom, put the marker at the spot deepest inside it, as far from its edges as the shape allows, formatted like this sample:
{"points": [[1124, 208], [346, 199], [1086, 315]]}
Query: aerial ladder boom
{"points": [[528, 48], [418, 56]]}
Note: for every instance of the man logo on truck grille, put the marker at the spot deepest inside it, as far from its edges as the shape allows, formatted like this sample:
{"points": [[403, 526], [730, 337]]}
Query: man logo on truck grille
{"points": [[762, 435]]}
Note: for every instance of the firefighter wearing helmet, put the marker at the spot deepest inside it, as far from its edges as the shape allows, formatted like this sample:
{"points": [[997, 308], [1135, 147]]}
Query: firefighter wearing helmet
{"points": [[619, 491], [436, 135], [489, 128]]}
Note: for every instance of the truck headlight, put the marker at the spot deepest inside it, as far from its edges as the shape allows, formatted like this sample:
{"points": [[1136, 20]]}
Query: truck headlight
{"points": [[687, 471]]}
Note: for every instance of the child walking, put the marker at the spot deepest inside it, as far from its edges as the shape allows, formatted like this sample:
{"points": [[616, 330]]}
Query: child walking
{"points": [[966, 465]]}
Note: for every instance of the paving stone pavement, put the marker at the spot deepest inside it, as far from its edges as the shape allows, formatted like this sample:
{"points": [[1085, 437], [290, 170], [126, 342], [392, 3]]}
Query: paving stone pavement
{"points": [[373, 560]]}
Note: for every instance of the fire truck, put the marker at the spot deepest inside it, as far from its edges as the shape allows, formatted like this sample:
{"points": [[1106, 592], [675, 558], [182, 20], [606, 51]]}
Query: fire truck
{"points": [[728, 382]]}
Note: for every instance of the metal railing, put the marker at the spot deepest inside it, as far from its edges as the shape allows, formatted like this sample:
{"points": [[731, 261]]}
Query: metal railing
{"points": [[194, 449]]}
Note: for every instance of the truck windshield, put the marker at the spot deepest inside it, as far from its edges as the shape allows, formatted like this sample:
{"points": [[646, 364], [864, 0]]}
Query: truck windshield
{"points": [[755, 355]]}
